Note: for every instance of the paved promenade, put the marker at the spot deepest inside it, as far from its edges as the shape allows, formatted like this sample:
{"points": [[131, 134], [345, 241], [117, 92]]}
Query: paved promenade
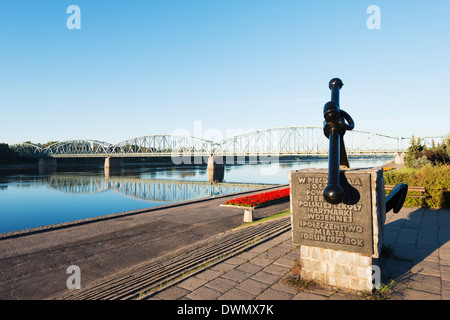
{"points": [[418, 261]]}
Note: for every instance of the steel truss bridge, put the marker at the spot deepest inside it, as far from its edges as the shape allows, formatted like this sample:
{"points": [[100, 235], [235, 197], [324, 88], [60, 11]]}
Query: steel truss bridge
{"points": [[150, 190], [293, 141]]}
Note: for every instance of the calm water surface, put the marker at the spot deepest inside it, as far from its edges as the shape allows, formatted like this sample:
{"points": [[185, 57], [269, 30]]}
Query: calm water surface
{"points": [[33, 199]]}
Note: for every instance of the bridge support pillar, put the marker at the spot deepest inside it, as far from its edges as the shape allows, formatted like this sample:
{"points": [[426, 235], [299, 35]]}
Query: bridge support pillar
{"points": [[47, 162], [399, 158], [216, 169], [113, 163], [47, 165]]}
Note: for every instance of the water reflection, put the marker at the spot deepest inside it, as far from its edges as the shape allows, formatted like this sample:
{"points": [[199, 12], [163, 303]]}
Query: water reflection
{"points": [[160, 191], [37, 198], [152, 190]]}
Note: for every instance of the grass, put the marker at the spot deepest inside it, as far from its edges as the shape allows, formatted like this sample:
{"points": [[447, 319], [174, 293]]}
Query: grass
{"points": [[383, 292]]}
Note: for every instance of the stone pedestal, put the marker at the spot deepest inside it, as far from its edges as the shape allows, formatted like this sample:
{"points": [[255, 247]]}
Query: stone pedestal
{"points": [[339, 244], [248, 215]]}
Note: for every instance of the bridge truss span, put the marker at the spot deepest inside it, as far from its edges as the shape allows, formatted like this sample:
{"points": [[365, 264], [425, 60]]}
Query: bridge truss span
{"points": [[162, 145], [306, 140], [78, 148]]}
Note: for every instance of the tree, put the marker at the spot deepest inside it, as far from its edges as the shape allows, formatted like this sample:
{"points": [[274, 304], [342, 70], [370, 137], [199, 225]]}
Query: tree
{"points": [[7, 155], [414, 152]]}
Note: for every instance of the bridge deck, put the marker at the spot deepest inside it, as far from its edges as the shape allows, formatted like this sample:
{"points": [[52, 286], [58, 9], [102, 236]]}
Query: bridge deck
{"points": [[294, 141]]}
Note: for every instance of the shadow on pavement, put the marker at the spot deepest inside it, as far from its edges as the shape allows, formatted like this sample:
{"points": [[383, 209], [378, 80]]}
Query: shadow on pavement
{"points": [[411, 255]]}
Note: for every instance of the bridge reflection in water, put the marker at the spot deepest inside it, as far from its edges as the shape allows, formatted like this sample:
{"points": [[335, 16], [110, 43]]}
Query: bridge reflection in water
{"points": [[152, 190]]}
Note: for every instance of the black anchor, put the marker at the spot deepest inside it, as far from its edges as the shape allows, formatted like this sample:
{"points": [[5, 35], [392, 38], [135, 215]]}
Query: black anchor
{"points": [[336, 123]]}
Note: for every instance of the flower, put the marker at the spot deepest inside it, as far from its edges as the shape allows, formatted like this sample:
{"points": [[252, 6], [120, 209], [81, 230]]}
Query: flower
{"points": [[257, 199]]}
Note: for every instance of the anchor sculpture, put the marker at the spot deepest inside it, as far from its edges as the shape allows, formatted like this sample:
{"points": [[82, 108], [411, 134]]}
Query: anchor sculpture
{"points": [[336, 123]]}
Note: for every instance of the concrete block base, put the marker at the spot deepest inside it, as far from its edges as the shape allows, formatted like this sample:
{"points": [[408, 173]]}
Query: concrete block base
{"points": [[339, 244]]}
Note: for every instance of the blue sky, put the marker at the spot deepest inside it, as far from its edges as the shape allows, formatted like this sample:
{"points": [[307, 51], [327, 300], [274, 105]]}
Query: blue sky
{"points": [[146, 67]]}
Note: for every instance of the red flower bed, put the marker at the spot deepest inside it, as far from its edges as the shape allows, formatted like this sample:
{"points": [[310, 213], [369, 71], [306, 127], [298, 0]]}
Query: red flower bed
{"points": [[257, 199]]}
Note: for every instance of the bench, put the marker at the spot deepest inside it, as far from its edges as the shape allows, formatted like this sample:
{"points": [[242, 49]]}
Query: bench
{"points": [[389, 187]]}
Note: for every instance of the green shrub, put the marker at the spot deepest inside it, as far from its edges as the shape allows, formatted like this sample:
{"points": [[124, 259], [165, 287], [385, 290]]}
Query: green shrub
{"points": [[435, 179], [420, 162], [419, 155]]}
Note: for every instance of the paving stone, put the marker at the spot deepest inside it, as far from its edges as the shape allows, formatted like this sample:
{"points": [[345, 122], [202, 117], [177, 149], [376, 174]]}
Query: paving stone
{"points": [[277, 269], [236, 294], [209, 274], [444, 262], [271, 254], [444, 254], [236, 275], [445, 289], [285, 237], [221, 284], [309, 296], [284, 262], [294, 255], [273, 242], [427, 268], [394, 268], [271, 294], [260, 249], [343, 295], [192, 283], [445, 295], [426, 283], [405, 251], [223, 267], [263, 262], [284, 249], [249, 268], [445, 273], [282, 286], [172, 293], [248, 255], [236, 260], [411, 294], [253, 286], [426, 255], [203, 293], [266, 277]]}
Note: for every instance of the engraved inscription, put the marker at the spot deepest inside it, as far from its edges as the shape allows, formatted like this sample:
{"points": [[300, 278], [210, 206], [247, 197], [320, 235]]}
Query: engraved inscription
{"points": [[346, 226]]}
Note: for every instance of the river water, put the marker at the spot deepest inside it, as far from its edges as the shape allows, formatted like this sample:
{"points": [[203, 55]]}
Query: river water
{"points": [[33, 199]]}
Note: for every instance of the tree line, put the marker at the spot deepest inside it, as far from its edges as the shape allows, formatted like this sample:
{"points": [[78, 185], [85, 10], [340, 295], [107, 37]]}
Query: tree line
{"points": [[419, 154]]}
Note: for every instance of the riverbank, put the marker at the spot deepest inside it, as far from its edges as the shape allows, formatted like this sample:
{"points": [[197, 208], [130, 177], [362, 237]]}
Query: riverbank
{"points": [[104, 247]]}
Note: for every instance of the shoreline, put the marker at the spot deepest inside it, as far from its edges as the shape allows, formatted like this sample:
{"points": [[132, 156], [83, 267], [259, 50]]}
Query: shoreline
{"points": [[104, 247], [68, 224]]}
